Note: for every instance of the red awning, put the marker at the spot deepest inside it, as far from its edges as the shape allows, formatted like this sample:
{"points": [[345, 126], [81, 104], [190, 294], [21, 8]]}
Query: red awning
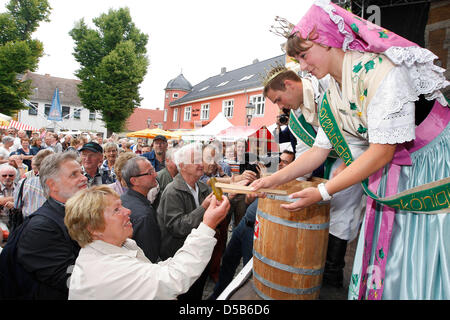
{"points": [[21, 126], [255, 135]]}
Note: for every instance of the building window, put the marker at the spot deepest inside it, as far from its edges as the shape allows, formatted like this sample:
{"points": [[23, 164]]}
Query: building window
{"points": [[187, 113], [227, 108], [175, 115], [259, 102], [165, 115], [92, 115], [47, 109], [175, 95], [65, 112], [33, 111], [77, 113], [204, 114], [167, 95]]}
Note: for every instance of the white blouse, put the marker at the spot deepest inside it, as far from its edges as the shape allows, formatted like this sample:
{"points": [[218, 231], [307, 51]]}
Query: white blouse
{"points": [[390, 113]]}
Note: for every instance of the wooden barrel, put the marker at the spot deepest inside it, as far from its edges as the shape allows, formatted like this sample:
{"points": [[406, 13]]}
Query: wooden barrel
{"points": [[289, 248]]}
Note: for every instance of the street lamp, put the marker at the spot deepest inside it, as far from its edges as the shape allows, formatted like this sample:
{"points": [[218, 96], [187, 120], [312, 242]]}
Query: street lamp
{"points": [[149, 122], [249, 110]]}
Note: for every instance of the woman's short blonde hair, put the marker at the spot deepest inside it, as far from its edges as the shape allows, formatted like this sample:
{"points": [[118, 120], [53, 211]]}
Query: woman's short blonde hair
{"points": [[121, 160], [84, 212]]}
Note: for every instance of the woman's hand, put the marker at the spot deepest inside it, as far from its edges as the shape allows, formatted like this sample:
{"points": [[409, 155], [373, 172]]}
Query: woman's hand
{"points": [[306, 198], [265, 182], [216, 212]]}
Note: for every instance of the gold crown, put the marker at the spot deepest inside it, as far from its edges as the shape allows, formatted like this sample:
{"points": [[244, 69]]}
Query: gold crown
{"points": [[283, 29], [272, 73]]}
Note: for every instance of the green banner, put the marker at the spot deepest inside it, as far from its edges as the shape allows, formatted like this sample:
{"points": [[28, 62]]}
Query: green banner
{"points": [[305, 131], [431, 198]]}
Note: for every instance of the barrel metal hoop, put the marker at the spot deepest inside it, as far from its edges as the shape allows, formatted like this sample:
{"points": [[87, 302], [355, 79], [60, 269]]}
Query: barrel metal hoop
{"points": [[292, 224], [298, 291], [260, 294], [285, 267], [287, 199]]}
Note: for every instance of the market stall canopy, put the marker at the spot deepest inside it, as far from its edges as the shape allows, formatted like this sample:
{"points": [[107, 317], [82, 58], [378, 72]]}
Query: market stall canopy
{"points": [[257, 136], [209, 131], [18, 125], [151, 133], [4, 120], [5, 117], [4, 123]]}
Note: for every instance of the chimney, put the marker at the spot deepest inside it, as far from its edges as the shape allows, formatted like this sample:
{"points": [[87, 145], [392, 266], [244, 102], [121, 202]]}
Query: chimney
{"points": [[223, 70], [255, 61]]}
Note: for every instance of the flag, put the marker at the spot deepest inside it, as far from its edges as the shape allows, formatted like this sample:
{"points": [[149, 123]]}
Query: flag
{"points": [[55, 113]]}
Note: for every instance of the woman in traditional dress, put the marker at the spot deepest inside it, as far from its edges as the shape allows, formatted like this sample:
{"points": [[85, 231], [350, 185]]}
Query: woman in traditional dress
{"points": [[368, 116]]}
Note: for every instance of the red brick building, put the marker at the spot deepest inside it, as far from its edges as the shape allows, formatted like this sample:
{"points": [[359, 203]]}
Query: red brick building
{"points": [[139, 120], [189, 107]]}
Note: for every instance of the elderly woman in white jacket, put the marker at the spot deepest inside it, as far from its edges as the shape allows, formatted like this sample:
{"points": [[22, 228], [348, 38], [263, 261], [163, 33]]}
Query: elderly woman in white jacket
{"points": [[111, 266]]}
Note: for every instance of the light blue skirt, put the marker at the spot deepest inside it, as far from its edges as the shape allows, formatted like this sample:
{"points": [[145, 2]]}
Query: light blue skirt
{"points": [[418, 261]]}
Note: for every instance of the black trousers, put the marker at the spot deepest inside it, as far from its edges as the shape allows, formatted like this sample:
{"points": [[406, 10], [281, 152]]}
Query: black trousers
{"points": [[335, 261]]}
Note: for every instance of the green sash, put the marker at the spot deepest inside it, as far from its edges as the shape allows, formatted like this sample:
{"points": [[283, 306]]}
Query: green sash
{"points": [[431, 198], [305, 132]]}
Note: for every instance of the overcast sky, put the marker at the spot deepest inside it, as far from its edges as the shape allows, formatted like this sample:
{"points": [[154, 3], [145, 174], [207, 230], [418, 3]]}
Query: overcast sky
{"points": [[196, 37]]}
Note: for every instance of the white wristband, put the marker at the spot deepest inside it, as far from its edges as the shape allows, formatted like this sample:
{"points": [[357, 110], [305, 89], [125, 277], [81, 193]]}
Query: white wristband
{"points": [[323, 192]]}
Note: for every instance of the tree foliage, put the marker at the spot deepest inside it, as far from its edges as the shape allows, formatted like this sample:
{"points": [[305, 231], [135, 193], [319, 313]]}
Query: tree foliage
{"points": [[18, 51], [113, 65]]}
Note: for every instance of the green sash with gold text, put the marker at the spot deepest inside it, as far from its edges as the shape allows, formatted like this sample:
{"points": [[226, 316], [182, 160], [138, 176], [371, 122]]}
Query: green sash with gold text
{"points": [[431, 198], [305, 132]]}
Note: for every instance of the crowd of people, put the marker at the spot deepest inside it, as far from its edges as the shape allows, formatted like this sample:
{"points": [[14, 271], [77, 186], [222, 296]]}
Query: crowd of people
{"points": [[117, 219], [161, 190]]}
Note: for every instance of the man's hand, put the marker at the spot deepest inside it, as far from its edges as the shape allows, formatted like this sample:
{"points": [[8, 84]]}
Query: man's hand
{"points": [[246, 175], [216, 212], [206, 202], [241, 183], [339, 170]]}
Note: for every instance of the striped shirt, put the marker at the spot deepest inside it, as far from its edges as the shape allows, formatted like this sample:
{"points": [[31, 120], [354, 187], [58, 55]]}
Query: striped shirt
{"points": [[32, 195]]}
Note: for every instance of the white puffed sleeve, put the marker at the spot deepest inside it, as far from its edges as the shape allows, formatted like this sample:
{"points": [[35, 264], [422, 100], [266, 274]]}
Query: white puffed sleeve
{"points": [[391, 111]]}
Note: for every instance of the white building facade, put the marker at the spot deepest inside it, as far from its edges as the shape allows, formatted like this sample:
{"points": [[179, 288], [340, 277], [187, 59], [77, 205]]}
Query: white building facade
{"points": [[75, 118]]}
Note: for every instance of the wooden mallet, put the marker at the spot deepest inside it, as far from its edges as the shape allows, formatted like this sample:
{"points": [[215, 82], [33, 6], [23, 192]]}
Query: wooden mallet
{"points": [[218, 189]]}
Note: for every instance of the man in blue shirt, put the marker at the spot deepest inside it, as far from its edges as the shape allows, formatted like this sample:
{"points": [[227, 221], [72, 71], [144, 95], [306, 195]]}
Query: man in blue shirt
{"points": [[157, 156]]}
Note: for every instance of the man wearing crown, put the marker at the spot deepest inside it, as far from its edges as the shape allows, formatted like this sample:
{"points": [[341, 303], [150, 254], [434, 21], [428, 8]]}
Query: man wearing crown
{"points": [[301, 96]]}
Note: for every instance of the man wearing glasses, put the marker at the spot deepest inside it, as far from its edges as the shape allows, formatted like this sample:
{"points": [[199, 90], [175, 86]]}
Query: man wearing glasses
{"points": [[7, 185], [140, 177]]}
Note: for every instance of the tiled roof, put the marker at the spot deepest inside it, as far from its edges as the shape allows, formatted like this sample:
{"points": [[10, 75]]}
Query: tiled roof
{"points": [[179, 83], [46, 85], [247, 77]]}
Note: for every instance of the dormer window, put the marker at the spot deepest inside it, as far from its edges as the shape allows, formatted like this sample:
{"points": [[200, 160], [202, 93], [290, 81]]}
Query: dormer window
{"points": [[222, 84], [247, 77]]}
